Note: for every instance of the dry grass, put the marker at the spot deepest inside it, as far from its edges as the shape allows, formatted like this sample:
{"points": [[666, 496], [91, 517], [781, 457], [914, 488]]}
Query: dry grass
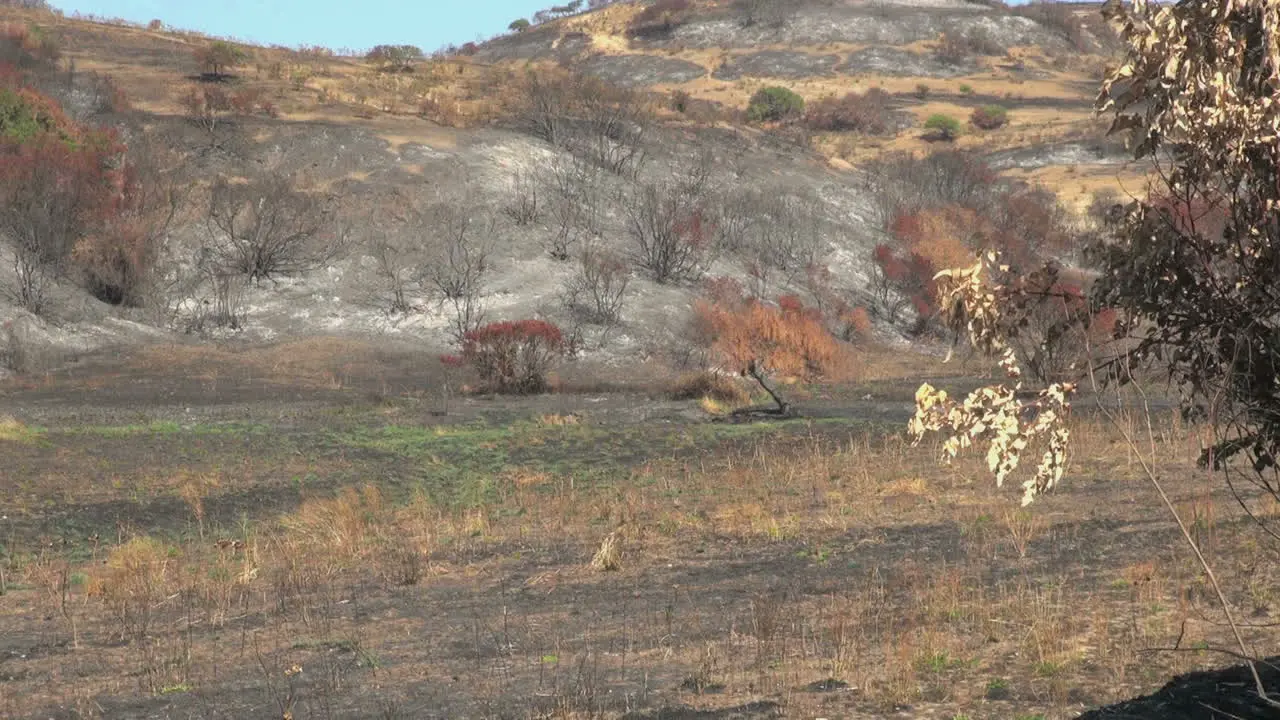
{"points": [[999, 614], [15, 431], [711, 388], [315, 362]]}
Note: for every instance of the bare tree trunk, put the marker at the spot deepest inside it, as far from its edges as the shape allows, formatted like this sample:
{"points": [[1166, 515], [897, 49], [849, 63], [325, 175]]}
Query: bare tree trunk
{"points": [[757, 374]]}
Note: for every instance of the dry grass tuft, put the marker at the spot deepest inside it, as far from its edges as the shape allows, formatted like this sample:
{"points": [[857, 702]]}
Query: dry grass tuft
{"points": [[609, 557], [725, 390], [14, 430]]}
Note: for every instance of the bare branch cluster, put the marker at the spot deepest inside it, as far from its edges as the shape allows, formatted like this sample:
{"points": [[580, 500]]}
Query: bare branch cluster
{"points": [[268, 228]]}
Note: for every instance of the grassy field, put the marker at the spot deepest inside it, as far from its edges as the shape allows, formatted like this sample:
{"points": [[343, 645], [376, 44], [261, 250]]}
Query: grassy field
{"points": [[376, 559]]}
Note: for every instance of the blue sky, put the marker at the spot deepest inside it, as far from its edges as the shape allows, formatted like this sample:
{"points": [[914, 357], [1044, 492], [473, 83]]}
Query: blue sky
{"points": [[358, 25]]}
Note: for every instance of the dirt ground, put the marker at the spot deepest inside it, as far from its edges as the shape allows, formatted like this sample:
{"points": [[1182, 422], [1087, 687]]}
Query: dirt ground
{"points": [[261, 533]]}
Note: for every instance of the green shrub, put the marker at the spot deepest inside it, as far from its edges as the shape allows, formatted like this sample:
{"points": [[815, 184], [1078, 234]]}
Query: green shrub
{"points": [[519, 25], [944, 127], [966, 89], [989, 117], [773, 104]]}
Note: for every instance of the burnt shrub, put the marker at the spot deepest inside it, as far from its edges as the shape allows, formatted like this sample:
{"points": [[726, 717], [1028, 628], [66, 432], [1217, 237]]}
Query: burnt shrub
{"points": [[1059, 18], [989, 117], [867, 112], [660, 18]]}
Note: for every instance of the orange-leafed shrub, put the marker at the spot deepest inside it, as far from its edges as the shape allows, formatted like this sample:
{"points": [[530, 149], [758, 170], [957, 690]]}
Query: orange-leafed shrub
{"points": [[514, 356], [760, 340], [944, 235], [856, 323], [926, 241]]}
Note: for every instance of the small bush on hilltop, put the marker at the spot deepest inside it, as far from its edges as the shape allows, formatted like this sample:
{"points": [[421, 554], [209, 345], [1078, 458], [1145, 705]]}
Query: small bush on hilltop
{"points": [[219, 57], [394, 58], [514, 356], [943, 127], [867, 112], [774, 104], [989, 117]]}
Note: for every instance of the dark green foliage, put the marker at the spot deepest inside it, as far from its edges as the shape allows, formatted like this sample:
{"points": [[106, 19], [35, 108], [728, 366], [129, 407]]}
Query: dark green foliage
{"points": [[774, 104]]}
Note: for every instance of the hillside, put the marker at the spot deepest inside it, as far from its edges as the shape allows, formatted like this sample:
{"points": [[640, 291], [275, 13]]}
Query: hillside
{"points": [[365, 135]]}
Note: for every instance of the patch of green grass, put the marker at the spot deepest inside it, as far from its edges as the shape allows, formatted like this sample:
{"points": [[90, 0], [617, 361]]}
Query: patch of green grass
{"points": [[997, 689], [174, 689], [461, 465], [940, 662], [1048, 669], [164, 427]]}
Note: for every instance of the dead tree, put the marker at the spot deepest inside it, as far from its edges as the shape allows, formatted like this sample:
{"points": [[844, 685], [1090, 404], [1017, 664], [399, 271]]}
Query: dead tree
{"points": [[572, 196], [458, 262], [268, 228], [589, 117], [672, 228]]}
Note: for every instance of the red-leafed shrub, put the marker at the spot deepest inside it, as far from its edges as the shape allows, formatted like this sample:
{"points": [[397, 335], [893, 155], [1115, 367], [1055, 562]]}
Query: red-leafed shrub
{"points": [[903, 279], [1028, 225], [514, 356], [74, 200], [1196, 217], [59, 182], [117, 256]]}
